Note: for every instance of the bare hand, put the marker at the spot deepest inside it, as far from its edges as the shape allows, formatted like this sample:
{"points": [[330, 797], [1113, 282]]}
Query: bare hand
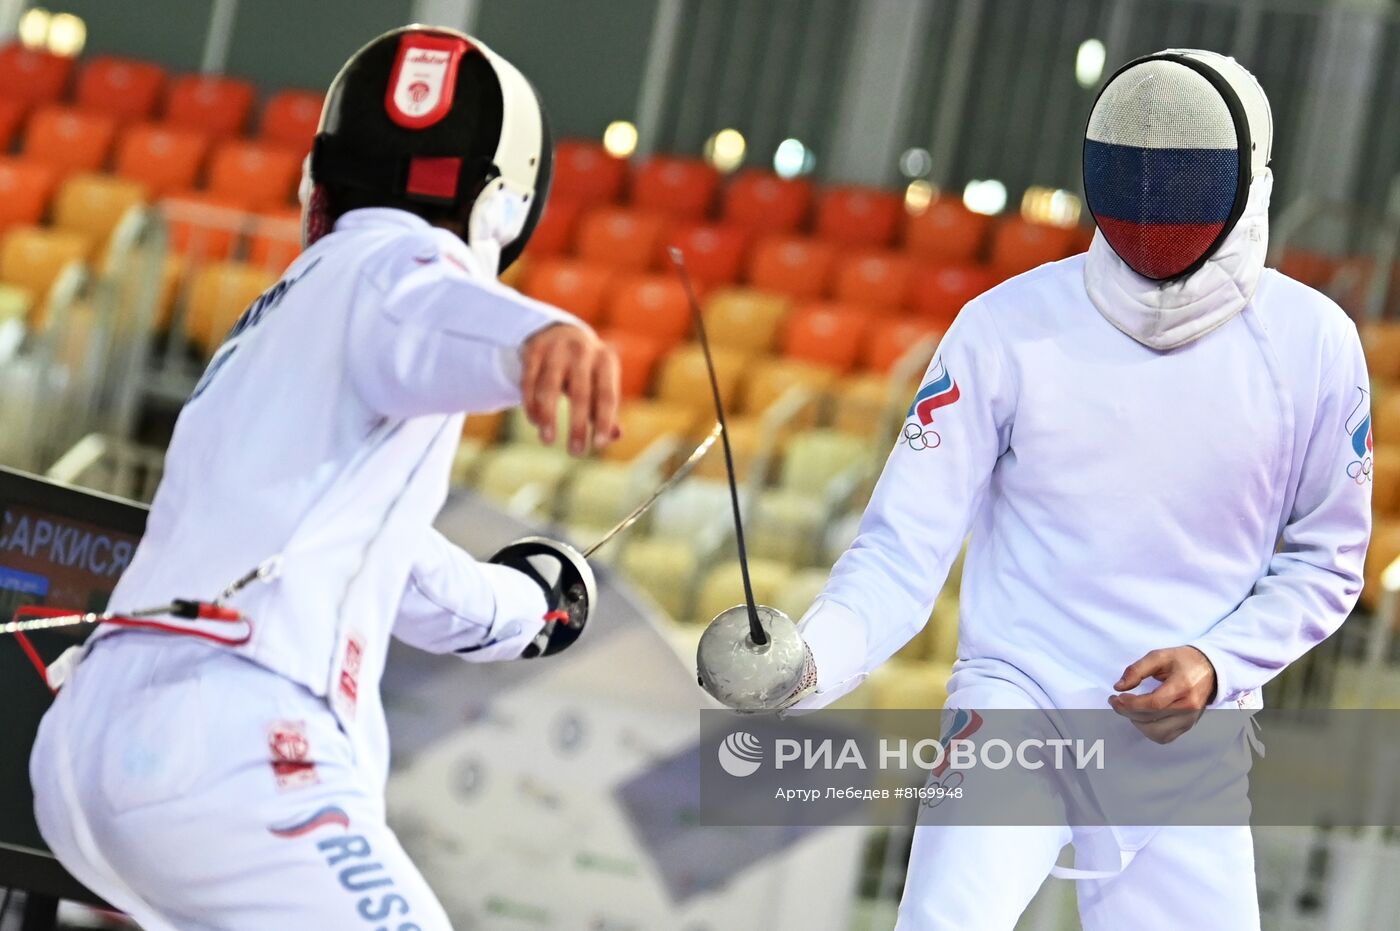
{"points": [[1170, 710], [571, 360]]}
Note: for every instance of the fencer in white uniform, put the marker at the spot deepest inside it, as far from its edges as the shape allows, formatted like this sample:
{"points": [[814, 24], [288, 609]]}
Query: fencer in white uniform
{"points": [[201, 786], [1162, 452]]}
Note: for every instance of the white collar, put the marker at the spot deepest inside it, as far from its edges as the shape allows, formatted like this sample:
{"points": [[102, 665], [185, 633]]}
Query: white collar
{"points": [[1164, 315], [380, 216]]}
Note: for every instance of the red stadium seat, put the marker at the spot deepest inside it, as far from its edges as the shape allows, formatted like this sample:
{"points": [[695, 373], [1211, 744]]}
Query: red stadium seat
{"points": [[765, 203], [262, 176], [275, 240], [827, 334], [620, 237], [290, 119], [216, 105], [858, 216], [890, 340], [584, 172], [204, 226], [681, 187], [33, 76], [947, 232], [581, 288], [122, 87], [164, 158], [880, 280], [69, 140], [1019, 245], [12, 113], [26, 190], [555, 233], [653, 305], [799, 268], [938, 294], [714, 255], [638, 355]]}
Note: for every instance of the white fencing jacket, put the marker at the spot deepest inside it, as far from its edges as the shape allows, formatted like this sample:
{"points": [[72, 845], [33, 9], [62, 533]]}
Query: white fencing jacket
{"points": [[321, 439], [1121, 498]]}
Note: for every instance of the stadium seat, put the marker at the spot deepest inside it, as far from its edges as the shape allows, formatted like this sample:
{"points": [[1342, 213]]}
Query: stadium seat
{"points": [[860, 403], [858, 216], [93, 205], [939, 294], [1385, 476], [637, 355], [890, 340], [664, 568], [769, 382], [578, 287], [799, 268], [1384, 549], [816, 458], [600, 493], [484, 427], [744, 320], [11, 116], [125, 88], [33, 258], [1385, 418], [1381, 343], [800, 590], [554, 234], [645, 422], [26, 189], [33, 76], [714, 255], [746, 435], [762, 202], [653, 305], [262, 176], [527, 478], [948, 233], [878, 280], [1019, 245], [723, 586], [619, 237], [786, 525], [216, 105], [585, 173], [915, 686], [219, 293], [826, 334], [203, 227], [275, 239], [685, 382], [290, 119], [163, 158], [680, 187], [69, 140]]}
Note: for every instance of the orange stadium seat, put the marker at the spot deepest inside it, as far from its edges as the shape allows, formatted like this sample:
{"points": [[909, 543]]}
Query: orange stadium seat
{"points": [[767, 384], [1083, 236], [644, 422], [638, 355], [216, 105], [765, 203], [1385, 489], [122, 87], [1385, 420], [275, 239], [948, 233], [879, 280], [260, 175], [554, 235], [33, 76], [619, 237], [204, 226], [33, 257], [858, 216], [11, 116], [1019, 245], [938, 294], [652, 305], [93, 205], [890, 340], [586, 173], [1381, 343], [69, 140], [681, 187], [684, 380], [26, 188], [578, 287], [827, 334], [290, 119], [164, 158], [797, 267], [714, 255], [744, 320], [219, 294]]}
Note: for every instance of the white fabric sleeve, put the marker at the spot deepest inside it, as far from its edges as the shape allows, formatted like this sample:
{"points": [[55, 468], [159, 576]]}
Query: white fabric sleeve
{"points": [[883, 587], [453, 604], [1315, 576], [433, 339]]}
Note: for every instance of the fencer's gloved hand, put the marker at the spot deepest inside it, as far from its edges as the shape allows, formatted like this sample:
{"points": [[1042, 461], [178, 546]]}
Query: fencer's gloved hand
{"points": [[749, 676], [570, 589]]}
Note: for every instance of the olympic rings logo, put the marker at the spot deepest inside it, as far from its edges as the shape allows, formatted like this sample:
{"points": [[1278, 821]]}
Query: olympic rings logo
{"points": [[1359, 471], [920, 439]]}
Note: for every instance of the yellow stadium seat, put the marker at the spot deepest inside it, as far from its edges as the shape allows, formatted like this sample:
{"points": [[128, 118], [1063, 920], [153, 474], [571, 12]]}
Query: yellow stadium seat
{"points": [[1384, 549], [913, 686], [801, 590], [786, 525], [1381, 342], [664, 568], [869, 405], [484, 427], [816, 458], [696, 509], [745, 320], [684, 381], [1385, 477], [33, 259], [601, 493], [524, 478], [645, 422], [93, 205], [219, 293], [723, 586], [1385, 418], [769, 382], [466, 459], [746, 435]]}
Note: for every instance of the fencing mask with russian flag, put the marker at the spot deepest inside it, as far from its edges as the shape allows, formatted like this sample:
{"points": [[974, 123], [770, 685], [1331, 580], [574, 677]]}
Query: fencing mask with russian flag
{"points": [[1173, 142]]}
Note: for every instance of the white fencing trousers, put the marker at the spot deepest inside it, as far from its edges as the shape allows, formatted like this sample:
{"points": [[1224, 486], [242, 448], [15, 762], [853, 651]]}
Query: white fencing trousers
{"points": [[197, 791], [982, 878]]}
